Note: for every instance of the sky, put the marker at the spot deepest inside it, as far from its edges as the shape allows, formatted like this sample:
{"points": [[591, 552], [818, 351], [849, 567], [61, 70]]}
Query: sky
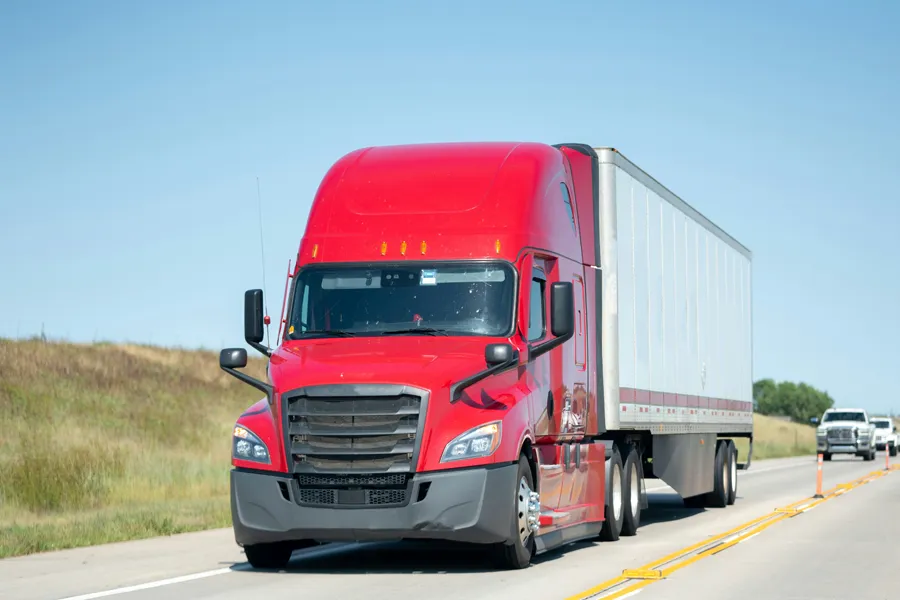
{"points": [[132, 136]]}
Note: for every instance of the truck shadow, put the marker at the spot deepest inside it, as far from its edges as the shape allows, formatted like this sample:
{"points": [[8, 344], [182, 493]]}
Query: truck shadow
{"points": [[426, 557]]}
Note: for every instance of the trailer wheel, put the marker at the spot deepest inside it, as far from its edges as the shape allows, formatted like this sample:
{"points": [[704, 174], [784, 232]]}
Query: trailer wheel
{"points": [[518, 552], [632, 496], [732, 472], [719, 496], [614, 509], [269, 556]]}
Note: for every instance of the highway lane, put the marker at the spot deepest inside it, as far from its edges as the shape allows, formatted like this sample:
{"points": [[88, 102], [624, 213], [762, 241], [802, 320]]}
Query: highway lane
{"points": [[843, 548], [214, 566]]}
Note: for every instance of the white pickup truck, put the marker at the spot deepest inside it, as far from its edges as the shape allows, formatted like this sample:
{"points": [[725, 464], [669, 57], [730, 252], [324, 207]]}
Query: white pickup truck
{"points": [[846, 431], [885, 435]]}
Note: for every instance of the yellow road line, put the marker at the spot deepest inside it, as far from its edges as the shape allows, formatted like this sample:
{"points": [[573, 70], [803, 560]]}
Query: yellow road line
{"points": [[637, 579]]}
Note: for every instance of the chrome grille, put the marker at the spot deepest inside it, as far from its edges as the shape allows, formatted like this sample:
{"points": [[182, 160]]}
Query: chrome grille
{"points": [[842, 435]]}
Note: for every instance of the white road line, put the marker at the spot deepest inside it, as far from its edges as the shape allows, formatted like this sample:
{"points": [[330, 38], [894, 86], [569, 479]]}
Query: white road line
{"points": [[159, 583]]}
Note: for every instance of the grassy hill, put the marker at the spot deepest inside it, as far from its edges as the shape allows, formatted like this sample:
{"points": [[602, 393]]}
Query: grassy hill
{"points": [[107, 442]]}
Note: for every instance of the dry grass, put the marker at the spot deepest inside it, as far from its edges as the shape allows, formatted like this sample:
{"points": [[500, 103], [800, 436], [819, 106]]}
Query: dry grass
{"points": [[106, 443], [774, 438]]}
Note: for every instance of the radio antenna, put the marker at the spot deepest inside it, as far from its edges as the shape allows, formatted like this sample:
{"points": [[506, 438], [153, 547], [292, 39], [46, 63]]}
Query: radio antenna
{"points": [[262, 252]]}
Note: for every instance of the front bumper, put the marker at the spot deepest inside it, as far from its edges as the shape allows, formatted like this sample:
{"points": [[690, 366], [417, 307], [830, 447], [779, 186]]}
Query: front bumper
{"points": [[884, 443], [828, 447], [465, 505]]}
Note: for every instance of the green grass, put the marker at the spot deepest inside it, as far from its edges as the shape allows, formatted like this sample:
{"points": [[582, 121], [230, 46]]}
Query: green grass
{"points": [[104, 442]]}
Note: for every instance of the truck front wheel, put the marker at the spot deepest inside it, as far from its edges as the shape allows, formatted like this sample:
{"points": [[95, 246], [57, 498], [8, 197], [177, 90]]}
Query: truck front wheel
{"points": [[269, 556], [518, 552], [893, 450]]}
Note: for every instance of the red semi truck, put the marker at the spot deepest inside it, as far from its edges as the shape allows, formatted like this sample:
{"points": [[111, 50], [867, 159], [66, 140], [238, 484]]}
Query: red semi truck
{"points": [[494, 343]]}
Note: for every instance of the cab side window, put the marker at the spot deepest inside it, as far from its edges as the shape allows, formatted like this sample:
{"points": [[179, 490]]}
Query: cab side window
{"points": [[537, 323]]}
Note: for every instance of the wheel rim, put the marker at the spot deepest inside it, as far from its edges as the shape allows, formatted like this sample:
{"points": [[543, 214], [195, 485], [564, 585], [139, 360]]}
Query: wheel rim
{"points": [[528, 510], [725, 477], [617, 492], [733, 473], [633, 491]]}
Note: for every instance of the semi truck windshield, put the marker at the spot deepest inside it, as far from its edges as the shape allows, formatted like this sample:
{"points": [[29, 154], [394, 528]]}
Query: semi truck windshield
{"points": [[455, 299]]}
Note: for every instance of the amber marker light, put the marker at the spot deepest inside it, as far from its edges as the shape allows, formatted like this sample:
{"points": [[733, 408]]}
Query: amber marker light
{"points": [[383, 248], [497, 246], [315, 250], [403, 248], [423, 247]]}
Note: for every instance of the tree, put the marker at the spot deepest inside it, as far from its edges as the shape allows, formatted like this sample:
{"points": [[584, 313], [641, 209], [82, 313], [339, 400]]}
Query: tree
{"points": [[799, 401]]}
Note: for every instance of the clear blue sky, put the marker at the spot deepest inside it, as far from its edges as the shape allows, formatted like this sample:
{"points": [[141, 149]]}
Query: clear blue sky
{"points": [[131, 136]]}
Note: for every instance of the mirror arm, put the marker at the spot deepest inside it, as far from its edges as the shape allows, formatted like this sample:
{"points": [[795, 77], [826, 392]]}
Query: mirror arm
{"points": [[261, 348], [536, 351], [251, 381], [459, 386]]}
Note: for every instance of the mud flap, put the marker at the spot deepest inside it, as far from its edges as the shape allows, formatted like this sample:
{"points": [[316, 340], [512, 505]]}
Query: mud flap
{"points": [[746, 465]]}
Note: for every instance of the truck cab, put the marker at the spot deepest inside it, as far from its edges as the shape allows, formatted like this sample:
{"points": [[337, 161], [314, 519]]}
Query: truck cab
{"points": [[885, 435], [846, 431], [433, 378]]}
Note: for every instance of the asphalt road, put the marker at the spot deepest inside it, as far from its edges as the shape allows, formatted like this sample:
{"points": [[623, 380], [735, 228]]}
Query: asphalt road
{"points": [[802, 557]]}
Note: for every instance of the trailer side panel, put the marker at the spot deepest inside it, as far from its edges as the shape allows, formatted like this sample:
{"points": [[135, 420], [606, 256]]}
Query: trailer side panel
{"points": [[677, 336]]}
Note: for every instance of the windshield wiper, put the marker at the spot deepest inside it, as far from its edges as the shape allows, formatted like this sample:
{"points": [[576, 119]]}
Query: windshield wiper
{"points": [[425, 330], [334, 332]]}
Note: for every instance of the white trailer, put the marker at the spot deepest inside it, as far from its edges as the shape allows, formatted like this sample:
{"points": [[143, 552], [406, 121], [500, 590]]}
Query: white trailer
{"points": [[677, 342]]}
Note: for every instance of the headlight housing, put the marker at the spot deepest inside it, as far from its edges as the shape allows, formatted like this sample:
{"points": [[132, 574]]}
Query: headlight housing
{"points": [[478, 442], [246, 445]]}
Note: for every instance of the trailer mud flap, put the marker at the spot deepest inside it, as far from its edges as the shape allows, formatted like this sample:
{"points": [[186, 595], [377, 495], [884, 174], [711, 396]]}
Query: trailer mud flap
{"points": [[746, 465]]}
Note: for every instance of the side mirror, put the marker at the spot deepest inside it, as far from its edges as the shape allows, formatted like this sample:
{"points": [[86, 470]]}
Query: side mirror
{"points": [[562, 319], [497, 354], [814, 420], [233, 358], [562, 309], [253, 316]]}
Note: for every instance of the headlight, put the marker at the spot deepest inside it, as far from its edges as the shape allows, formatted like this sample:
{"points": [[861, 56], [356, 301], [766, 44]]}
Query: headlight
{"points": [[246, 445], [475, 443]]}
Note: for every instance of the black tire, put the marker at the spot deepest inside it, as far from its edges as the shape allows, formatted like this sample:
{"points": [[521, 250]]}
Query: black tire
{"points": [[268, 556], [826, 456], [631, 493], [516, 554], [718, 498], [612, 524], [732, 473], [893, 451]]}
